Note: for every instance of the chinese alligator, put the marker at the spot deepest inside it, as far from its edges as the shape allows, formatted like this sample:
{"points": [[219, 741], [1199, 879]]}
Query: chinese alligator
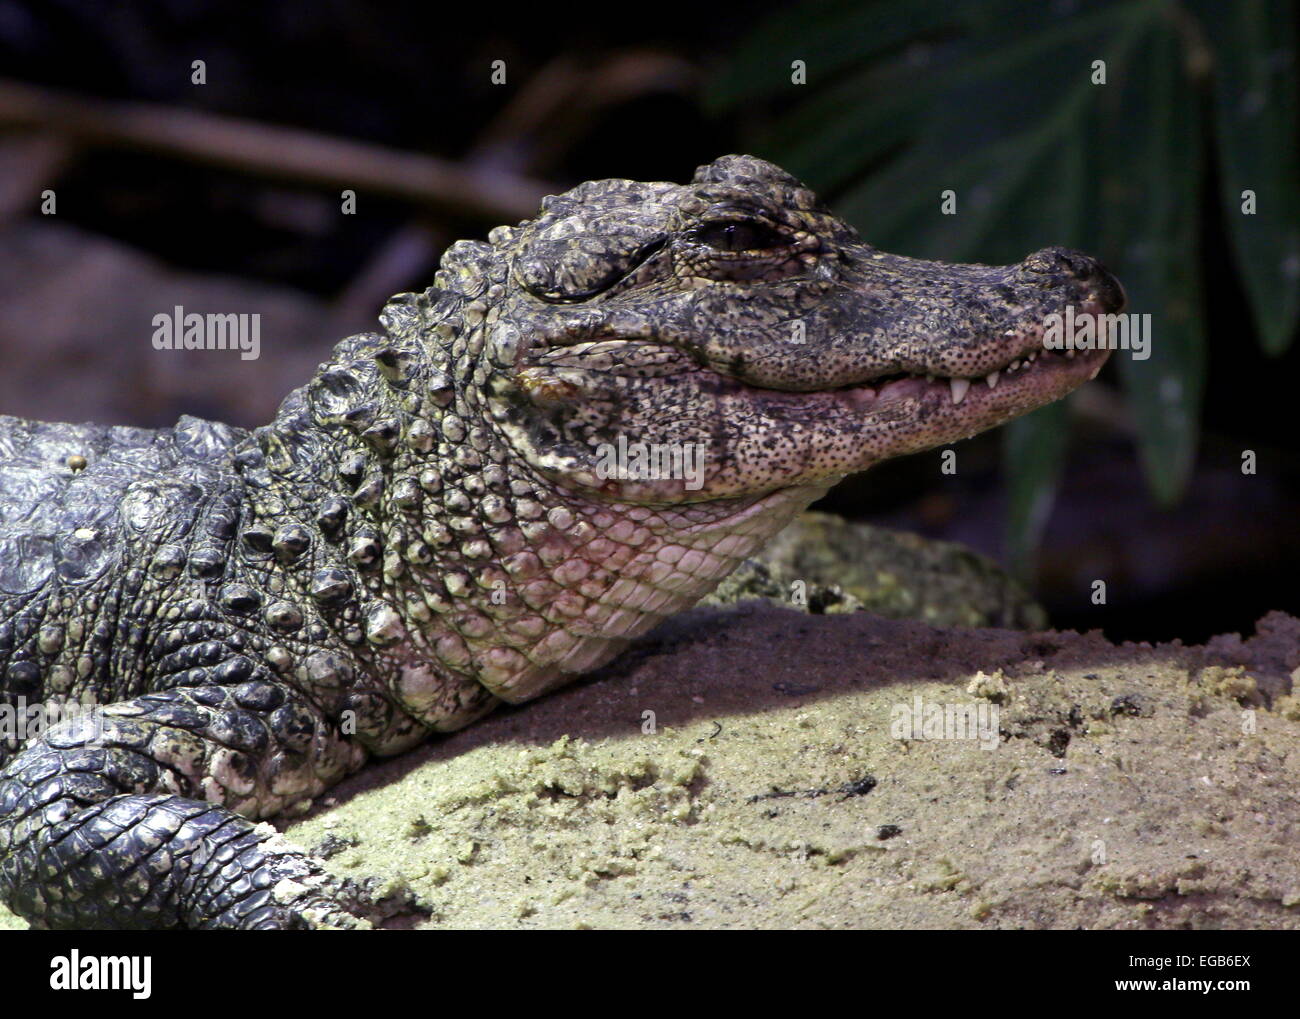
{"points": [[429, 525]]}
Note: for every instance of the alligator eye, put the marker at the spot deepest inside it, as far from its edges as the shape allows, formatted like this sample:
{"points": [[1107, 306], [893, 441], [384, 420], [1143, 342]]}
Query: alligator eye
{"points": [[740, 235]]}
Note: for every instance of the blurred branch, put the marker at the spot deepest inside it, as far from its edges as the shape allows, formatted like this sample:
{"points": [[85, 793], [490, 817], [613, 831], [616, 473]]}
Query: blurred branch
{"points": [[29, 164], [559, 103], [532, 132], [303, 157], [403, 256]]}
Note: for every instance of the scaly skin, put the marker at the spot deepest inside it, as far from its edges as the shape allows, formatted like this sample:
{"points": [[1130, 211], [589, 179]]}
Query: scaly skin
{"points": [[424, 529]]}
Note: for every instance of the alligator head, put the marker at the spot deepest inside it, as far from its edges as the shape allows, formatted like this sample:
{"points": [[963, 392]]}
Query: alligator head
{"points": [[594, 416], [738, 317]]}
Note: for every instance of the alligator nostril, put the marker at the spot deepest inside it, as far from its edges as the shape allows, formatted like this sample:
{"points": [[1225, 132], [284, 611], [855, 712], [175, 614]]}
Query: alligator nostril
{"points": [[1080, 265], [1060, 262], [1057, 267], [1107, 291]]}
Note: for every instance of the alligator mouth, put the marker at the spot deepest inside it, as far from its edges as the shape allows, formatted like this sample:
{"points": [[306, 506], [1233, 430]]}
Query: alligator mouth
{"points": [[1024, 372], [1030, 375], [765, 440]]}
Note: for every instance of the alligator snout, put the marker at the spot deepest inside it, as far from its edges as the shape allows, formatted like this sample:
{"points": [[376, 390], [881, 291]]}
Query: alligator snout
{"points": [[1058, 267]]}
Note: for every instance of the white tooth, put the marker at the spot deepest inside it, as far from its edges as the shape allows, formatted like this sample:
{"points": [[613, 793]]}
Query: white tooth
{"points": [[959, 387], [1015, 366], [992, 379]]}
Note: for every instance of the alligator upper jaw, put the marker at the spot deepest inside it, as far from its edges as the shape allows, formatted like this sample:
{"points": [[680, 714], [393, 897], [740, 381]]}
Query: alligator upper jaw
{"points": [[1025, 366], [889, 357]]}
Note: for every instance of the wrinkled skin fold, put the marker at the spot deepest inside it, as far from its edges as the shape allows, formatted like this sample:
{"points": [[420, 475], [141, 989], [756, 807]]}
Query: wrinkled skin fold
{"points": [[431, 525]]}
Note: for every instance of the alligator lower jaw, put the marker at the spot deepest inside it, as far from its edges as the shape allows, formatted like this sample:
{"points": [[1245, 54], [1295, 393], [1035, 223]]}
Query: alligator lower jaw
{"points": [[1050, 373]]}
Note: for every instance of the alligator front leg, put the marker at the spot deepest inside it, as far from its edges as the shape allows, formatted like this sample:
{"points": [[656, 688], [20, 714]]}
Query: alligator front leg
{"points": [[151, 822]]}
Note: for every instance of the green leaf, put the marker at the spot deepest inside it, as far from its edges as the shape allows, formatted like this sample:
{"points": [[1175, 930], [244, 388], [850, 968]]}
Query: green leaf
{"points": [[1034, 448], [1150, 152], [997, 146], [839, 131], [1256, 121], [954, 98], [828, 37]]}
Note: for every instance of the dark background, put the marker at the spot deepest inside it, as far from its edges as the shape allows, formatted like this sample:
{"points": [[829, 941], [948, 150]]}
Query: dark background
{"points": [[153, 211]]}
